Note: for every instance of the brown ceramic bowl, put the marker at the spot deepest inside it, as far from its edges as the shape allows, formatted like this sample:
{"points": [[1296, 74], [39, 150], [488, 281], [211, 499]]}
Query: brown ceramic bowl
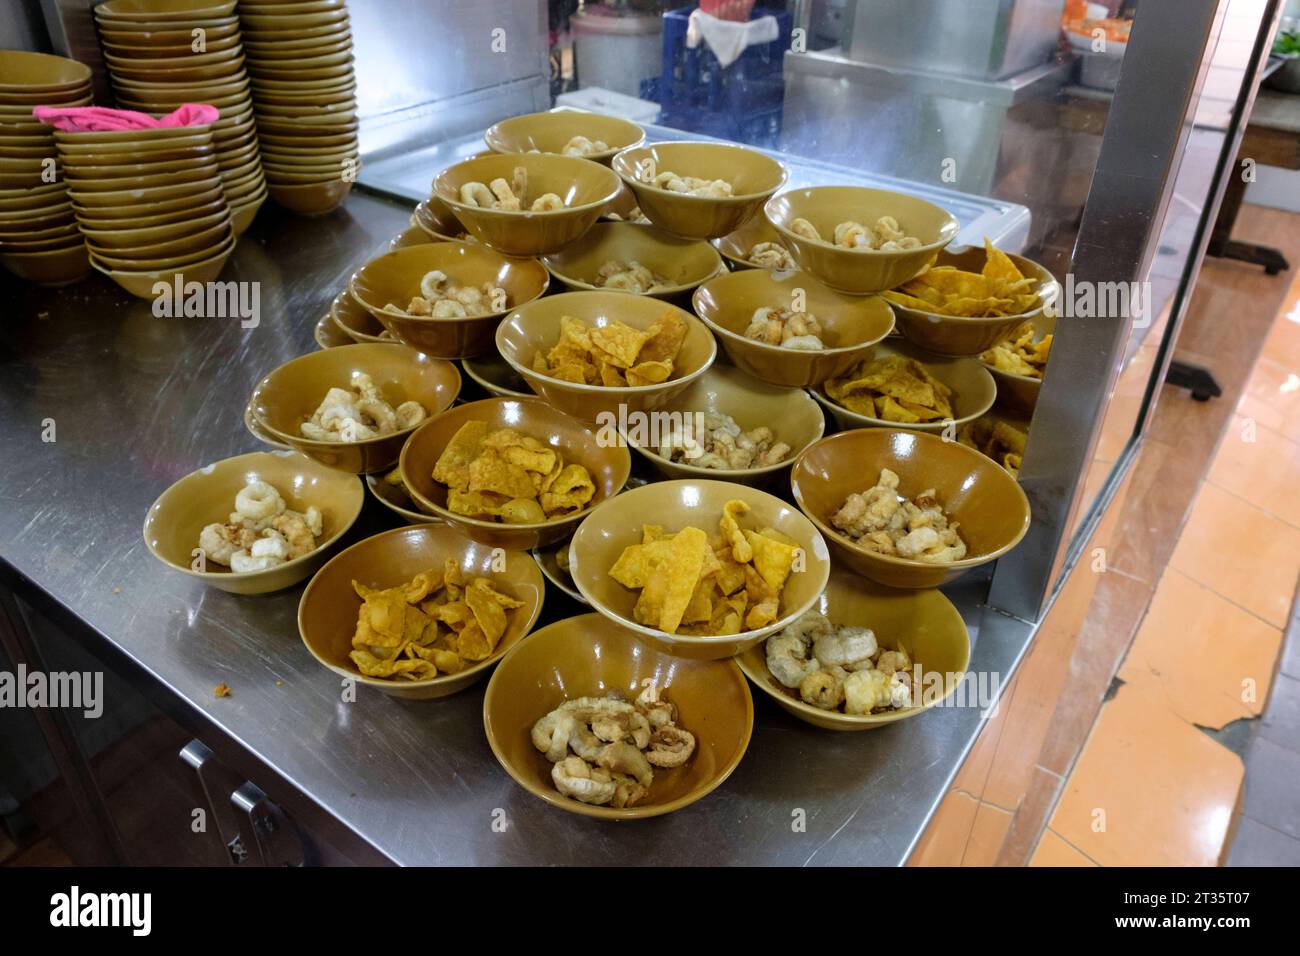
{"points": [[601, 538], [851, 325], [327, 613], [736, 246], [956, 335], [36, 198], [198, 228], [436, 218], [312, 200], [753, 176], [550, 132], [136, 215], [396, 500], [355, 320], [410, 236], [1020, 392], [973, 389], [923, 623], [859, 271], [173, 522], [536, 327], [576, 441], [161, 11], [585, 187], [793, 417], [23, 72], [591, 656], [987, 502], [173, 251], [288, 396], [494, 375], [53, 267], [141, 279], [394, 278], [548, 560], [327, 336], [178, 216], [684, 263]]}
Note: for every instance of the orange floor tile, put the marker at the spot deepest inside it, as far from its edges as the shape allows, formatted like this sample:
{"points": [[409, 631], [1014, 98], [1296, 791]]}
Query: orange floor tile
{"points": [[1259, 464], [1242, 553], [1212, 661], [1053, 851], [1149, 788]]}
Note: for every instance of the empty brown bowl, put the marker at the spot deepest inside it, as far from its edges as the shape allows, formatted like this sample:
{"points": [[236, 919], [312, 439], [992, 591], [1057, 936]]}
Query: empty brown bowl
{"points": [[355, 320], [494, 375], [536, 327], [753, 177], [851, 325], [207, 496], [607, 531], [584, 186], [314, 199], [436, 218], [682, 264], [792, 416], [591, 656], [551, 132], [327, 613], [987, 503], [327, 336], [973, 389], [1020, 392], [923, 623], [53, 267], [859, 271], [578, 443], [288, 396], [23, 72], [393, 279], [958, 335], [738, 247]]}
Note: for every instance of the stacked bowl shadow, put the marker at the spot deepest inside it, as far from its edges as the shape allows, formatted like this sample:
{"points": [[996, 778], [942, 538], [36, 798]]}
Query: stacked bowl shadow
{"points": [[162, 54], [299, 59], [39, 240], [149, 204]]}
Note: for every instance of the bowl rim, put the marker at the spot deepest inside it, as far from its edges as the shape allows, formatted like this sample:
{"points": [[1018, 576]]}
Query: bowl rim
{"points": [[149, 517], [759, 677], [381, 682], [455, 203], [947, 232], [641, 811], [523, 263], [842, 539], [731, 336], [719, 267], [487, 385], [710, 640], [732, 473], [452, 518], [683, 380], [635, 183], [494, 132], [295, 441], [569, 590]]}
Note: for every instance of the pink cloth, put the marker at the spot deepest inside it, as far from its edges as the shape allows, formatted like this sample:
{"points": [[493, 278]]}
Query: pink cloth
{"points": [[100, 119]]}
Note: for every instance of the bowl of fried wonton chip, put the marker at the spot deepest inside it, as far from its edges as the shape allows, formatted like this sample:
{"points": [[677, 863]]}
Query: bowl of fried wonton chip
{"points": [[439, 610], [970, 299], [703, 568]]}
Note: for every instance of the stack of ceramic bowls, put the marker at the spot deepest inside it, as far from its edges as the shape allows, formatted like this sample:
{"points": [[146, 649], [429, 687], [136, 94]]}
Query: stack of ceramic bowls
{"points": [[149, 204], [163, 54], [38, 234], [299, 58]]}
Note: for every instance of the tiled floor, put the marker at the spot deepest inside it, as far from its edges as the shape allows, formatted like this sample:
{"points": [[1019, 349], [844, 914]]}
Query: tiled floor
{"points": [[1105, 749]]}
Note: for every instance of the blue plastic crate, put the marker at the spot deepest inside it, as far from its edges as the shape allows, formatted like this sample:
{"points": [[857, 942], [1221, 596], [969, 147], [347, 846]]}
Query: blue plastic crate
{"points": [[695, 80], [761, 128]]}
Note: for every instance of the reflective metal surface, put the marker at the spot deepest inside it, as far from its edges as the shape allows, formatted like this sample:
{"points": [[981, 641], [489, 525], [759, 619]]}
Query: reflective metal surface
{"points": [[137, 401]]}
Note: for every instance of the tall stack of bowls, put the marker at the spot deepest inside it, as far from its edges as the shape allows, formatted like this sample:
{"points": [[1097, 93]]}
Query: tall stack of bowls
{"points": [[39, 240], [304, 91], [163, 54], [149, 204]]}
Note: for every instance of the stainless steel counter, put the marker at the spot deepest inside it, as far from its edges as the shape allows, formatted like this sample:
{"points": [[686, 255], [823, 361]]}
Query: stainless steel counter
{"points": [[139, 401]]}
